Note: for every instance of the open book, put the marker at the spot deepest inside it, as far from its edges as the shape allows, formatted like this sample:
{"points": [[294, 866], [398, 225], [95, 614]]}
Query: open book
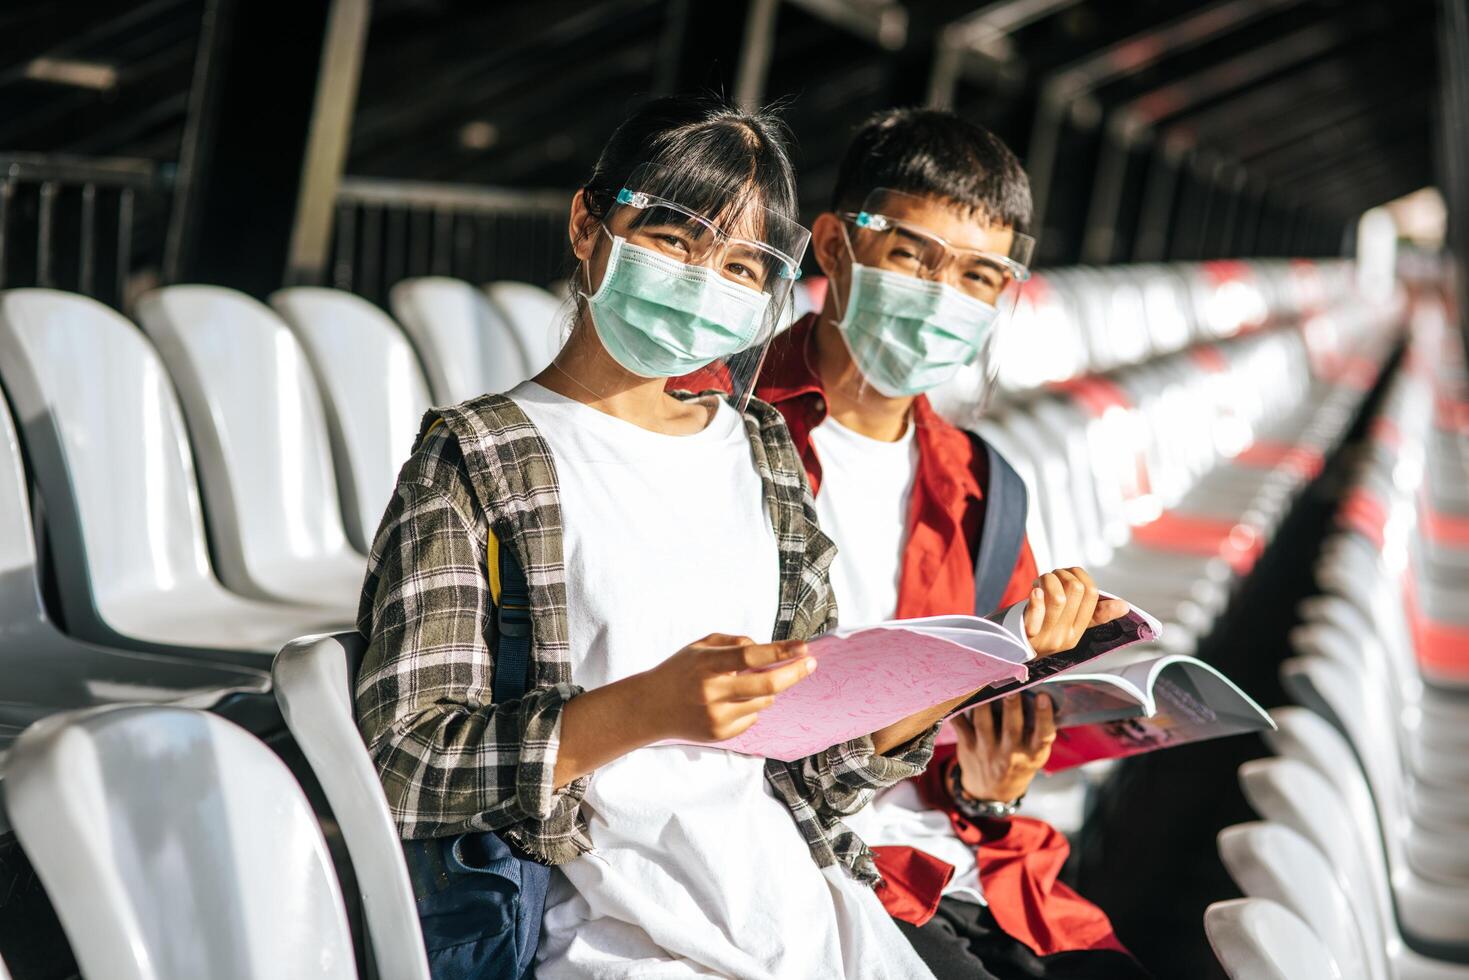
{"points": [[869, 677], [1128, 704]]}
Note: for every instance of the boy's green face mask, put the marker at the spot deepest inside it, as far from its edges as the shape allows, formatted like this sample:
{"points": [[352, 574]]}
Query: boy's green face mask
{"points": [[920, 309]]}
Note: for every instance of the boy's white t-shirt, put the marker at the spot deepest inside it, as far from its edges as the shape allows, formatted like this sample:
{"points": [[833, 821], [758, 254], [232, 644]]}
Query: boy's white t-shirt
{"points": [[697, 869], [862, 505]]}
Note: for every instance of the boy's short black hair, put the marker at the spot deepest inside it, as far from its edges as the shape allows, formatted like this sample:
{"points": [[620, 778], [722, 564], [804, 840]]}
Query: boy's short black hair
{"points": [[935, 153]]}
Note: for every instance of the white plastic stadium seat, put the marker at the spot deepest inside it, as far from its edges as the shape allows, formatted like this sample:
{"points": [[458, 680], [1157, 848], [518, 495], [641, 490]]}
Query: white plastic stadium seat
{"points": [[108, 452], [261, 445], [176, 846], [1270, 861], [374, 391], [313, 683], [538, 318], [1292, 793], [42, 670], [1256, 939], [465, 345]]}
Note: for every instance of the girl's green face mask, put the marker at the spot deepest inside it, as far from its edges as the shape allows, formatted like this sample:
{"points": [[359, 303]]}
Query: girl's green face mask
{"points": [[660, 318]]}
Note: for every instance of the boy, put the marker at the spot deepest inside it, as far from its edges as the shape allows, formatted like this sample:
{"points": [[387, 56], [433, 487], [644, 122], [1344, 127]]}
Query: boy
{"points": [[922, 249]]}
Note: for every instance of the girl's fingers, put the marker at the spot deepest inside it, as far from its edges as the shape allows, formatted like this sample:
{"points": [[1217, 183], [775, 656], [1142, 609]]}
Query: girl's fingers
{"points": [[750, 656], [764, 683]]}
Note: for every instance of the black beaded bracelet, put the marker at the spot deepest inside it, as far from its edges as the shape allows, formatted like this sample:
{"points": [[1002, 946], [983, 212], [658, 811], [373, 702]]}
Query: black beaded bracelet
{"points": [[979, 809]]}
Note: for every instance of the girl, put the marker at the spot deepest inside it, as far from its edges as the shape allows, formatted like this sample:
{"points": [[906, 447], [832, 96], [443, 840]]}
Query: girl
{"points": [[641, 521]]}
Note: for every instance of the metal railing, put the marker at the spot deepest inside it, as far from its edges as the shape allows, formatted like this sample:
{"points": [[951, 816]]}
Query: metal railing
{"points": [[80, 224], [389, 230]]}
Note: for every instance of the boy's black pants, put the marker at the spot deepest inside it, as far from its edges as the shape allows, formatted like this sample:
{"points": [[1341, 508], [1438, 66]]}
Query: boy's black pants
{"points": [[963, 940]]}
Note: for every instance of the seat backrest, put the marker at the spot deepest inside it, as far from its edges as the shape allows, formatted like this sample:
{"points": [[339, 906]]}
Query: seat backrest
{"points": [[465, 345], [1369, 738], [1256, 939], [374, 391], [258, 428], [538, 318], [313, 683], [1291, 793], [176, 846], [107, 448], [1270, 861], [20, 600]]}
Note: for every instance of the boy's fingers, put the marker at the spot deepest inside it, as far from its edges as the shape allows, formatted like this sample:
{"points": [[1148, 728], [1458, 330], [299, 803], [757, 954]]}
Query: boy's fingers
{"points": [[1044, 732], [1013, 720], [1035, 612], [964, 731], [1055, 591], [1108, 610]]}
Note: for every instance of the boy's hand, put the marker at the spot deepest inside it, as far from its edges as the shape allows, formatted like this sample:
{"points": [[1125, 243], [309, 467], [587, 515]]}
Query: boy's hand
{"points": [[1003, 744], [1063, 604]]}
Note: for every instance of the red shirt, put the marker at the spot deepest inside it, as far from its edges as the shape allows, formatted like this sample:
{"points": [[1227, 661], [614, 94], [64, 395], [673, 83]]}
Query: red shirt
{"points": [[947, 507], [1019, 860]]}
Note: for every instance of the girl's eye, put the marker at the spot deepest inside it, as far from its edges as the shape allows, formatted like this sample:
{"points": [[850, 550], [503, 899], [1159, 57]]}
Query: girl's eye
{"points": [[903, 255], [744, 273], [672, 241]]}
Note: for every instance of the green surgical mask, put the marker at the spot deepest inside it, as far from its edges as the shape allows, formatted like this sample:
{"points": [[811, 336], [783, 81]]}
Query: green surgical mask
{"points": [[660, 318], [911, 335]]}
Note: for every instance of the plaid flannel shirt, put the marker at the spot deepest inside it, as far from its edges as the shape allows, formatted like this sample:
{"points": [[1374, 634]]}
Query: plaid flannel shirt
{"points": [[450, 759]]}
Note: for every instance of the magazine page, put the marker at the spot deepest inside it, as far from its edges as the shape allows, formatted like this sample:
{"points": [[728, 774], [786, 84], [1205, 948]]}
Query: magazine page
{"points": [[1191, 702], [870, 677]]}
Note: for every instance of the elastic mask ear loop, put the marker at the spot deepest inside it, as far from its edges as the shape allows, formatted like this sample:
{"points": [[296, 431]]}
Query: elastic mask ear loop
{"points": [[587, 266], [851, 275]]}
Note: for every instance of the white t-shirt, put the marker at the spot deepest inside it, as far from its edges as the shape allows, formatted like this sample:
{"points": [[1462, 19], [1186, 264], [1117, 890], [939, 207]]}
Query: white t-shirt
{"points": [[863, 506], [866, 489], [697, 868]]}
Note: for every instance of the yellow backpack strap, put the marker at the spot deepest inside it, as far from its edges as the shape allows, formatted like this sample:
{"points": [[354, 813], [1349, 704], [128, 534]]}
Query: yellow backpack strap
{"points": [[492, 545]]}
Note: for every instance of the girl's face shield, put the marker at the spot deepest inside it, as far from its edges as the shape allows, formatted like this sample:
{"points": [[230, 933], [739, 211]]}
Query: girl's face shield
{"points": [[722, 228], [917, 236]]}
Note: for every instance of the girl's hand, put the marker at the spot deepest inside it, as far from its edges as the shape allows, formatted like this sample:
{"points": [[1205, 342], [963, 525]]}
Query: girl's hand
{"points": [[715, 687], [1063, 604]]}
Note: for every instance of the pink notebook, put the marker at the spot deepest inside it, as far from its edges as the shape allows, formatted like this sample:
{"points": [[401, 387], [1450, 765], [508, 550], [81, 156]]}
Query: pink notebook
{"points": [[869, 677], [872, 676]]}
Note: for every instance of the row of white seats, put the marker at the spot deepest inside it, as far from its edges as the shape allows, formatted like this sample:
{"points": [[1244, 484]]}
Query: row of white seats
{"points": [[1168, 479], [1359, 868]]}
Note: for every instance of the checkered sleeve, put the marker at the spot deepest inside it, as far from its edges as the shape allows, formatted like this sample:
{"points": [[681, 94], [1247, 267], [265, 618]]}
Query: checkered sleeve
{"points": [[842, 779], [450, 760]]}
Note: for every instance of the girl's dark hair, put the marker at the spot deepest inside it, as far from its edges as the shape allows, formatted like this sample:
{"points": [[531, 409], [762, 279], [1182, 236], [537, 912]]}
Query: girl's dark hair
{"points": [[715, 159], [935, 153]]}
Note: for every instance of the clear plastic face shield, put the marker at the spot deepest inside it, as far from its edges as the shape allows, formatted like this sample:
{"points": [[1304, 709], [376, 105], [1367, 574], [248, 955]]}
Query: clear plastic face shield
{"points": [[691, 280], [932, 288]]}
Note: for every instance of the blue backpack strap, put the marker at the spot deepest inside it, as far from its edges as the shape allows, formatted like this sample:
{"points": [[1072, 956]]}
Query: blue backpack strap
{"points": [[1006, 503], [512, 630]]}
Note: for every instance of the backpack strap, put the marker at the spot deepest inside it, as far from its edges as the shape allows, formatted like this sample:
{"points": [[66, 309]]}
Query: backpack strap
{"points": [[1006, 503], [512, 629], [510, 592]]}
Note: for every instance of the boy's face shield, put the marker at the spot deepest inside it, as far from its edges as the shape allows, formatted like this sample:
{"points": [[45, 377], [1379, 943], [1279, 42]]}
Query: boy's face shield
{"points": [[896, 231], [726, 231], [933, 241]]}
